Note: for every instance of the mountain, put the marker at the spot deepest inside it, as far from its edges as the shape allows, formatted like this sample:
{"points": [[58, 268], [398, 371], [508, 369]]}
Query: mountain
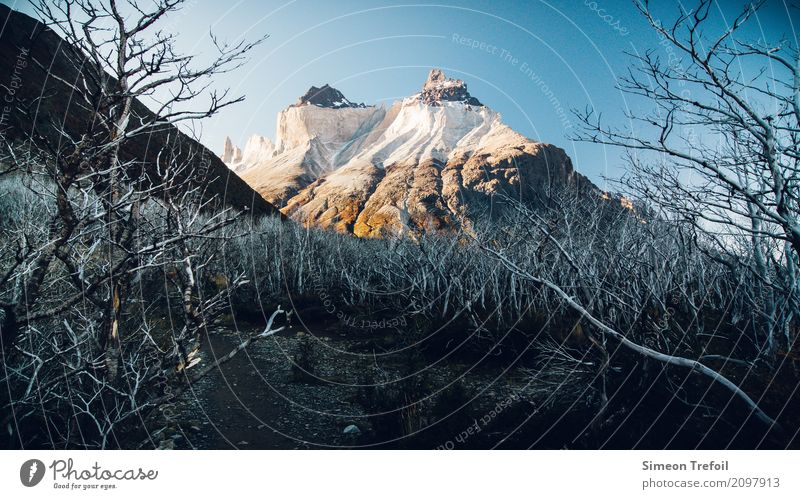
{"points": [[434, 160], [34, 63]]}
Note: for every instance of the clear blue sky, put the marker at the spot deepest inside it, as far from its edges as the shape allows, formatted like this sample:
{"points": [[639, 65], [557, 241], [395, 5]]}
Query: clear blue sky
{"points": [[535, 52]]}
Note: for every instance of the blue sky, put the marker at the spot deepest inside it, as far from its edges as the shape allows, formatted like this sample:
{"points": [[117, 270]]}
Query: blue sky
{"points": [[533, 61]]}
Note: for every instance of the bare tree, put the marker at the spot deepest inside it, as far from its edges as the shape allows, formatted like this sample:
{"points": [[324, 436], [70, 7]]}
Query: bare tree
{"points": [[720, 151], [585, 274], [73, 293]]}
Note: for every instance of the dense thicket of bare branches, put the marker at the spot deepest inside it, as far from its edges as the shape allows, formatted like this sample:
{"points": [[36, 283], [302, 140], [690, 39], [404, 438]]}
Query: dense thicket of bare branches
{"points": [[84, 227], [719, 151], [590, 271], [645, 277], [63, 370]]}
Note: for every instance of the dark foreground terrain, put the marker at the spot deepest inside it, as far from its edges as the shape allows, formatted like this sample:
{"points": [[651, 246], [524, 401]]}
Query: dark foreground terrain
{"points": [[347, 388], [296, 390]]}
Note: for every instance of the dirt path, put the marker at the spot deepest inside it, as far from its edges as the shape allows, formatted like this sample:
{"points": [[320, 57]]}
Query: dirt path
{"points": [[254, 402]]}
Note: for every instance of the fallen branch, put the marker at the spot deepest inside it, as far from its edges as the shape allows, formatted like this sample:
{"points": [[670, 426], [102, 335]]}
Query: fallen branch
{"points": [[268, 331], [647, 352]]}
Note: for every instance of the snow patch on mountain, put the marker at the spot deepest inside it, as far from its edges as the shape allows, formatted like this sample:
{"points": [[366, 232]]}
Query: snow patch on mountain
{"points": [[411, 130]]}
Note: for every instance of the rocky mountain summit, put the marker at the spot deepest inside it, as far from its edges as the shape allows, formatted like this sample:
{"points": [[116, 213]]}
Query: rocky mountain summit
{"points": [[433, 161], [439, 88], [325, 96]]}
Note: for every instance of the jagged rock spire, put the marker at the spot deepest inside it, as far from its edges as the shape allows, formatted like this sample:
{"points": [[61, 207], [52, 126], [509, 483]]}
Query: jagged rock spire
{"points": [[231, 153], [438, 88]]}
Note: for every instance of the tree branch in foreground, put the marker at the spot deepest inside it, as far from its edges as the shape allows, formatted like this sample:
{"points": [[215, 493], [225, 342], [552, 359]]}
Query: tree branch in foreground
{"points": [[647, 352]]}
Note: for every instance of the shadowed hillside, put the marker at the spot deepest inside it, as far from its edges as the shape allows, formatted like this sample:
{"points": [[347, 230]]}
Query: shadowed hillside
{"points": [[35, 63]]}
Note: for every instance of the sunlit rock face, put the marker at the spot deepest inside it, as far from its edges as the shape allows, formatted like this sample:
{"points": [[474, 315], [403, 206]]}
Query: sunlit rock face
{"points": [[432, 161], [231, 154]]}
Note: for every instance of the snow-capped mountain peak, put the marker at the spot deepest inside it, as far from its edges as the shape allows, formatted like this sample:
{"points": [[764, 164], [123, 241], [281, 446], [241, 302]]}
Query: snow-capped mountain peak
{"points": [[368, 169]]}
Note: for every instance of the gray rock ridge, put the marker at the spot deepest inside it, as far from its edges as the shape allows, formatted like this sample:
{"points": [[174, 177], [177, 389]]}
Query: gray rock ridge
{"points": [[326, 96]]}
